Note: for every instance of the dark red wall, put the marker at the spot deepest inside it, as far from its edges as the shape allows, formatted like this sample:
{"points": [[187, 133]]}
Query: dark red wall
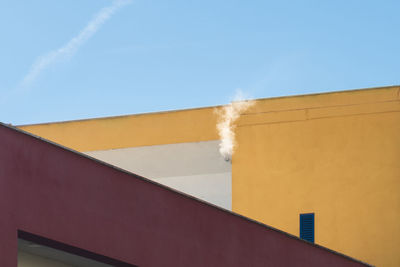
{"points": [[58, 194]]}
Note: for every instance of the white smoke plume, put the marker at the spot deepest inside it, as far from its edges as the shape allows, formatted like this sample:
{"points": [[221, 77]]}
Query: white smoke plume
{"points": [[227, 117], [73, 45]]}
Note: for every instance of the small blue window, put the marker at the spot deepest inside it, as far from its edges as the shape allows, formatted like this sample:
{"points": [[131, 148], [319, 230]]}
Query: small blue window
{"points": [[307, 227]]}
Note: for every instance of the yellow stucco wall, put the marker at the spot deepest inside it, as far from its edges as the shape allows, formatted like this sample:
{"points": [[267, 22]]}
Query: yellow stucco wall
{"points": [[337, 155], [334, 154], [159, 128]]}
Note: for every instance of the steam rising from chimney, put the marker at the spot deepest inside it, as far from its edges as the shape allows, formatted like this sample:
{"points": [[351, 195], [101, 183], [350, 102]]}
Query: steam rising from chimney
{"points": [[227, 117]]}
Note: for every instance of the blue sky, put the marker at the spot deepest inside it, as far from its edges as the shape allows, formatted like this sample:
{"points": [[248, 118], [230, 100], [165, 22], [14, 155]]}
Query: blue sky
{"points": [[162, 55]]}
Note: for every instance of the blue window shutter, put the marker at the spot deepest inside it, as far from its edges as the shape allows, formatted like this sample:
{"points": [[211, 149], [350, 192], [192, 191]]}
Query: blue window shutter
{"points": [[307, 227]]}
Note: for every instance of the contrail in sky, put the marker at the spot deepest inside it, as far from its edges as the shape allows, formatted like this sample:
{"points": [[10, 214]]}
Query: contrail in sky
{"points": [[73, 45]]}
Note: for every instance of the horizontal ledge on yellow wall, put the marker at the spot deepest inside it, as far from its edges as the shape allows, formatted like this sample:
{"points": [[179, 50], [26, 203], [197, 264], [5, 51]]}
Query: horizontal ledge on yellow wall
{"points": [[329, 99], [318, 113]]}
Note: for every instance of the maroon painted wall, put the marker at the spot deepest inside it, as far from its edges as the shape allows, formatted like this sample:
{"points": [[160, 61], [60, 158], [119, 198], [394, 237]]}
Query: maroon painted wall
{"points": [[58, 194]]}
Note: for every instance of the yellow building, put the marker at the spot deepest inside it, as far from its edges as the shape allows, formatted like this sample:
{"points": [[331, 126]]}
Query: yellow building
{"points": [[336, 155]]}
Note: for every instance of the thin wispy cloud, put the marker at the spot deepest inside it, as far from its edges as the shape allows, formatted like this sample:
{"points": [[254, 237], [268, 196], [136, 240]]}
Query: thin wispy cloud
{"points": [[74, 44]]}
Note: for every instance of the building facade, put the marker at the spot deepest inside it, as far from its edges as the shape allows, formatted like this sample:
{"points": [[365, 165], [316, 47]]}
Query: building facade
{"points": [[333, 155]]}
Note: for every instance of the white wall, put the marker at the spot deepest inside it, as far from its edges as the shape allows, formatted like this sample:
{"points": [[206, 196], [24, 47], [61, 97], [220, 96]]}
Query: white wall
{"points": [[194, 168], [35, 255], [214, 188], [30, 260]]}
